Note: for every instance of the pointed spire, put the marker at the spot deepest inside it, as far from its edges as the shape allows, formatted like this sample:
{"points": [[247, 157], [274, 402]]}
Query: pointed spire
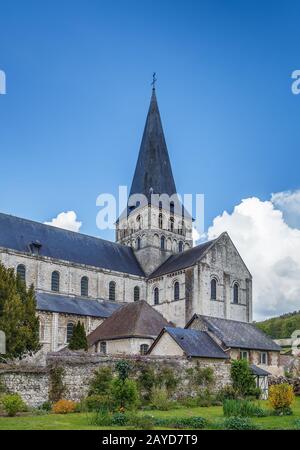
{"points": [[153, 172]]}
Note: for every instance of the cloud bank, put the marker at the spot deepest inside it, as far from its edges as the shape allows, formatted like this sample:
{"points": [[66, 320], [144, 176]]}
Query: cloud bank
{"points": [[66, 220], [267, 235]]}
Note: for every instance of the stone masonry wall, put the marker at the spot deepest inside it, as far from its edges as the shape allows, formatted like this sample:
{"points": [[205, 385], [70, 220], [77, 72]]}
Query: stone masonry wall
{"points": [[79, 367]]}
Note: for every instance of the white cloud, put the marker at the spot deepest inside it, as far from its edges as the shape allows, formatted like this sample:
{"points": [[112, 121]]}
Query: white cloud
{"points": [[66, 220], [270, 248], [289, 203]]}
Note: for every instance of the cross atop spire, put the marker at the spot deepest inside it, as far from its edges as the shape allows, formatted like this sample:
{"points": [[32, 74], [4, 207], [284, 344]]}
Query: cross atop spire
{"points": [[154, 80]]}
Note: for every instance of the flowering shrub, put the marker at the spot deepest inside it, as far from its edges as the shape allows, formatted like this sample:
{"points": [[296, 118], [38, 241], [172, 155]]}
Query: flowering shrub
{"points": [[64, 407], [12, 404], [281, 396]]}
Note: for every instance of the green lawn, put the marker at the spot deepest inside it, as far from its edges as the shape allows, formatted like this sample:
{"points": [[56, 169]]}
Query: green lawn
{"points": [[80, 421]]}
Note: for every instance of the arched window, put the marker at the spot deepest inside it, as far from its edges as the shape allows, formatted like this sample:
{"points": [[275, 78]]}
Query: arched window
{"points": [[172, 207], [162, 242], [160, 221], [156, 296], [176, 290], [172, 224], [112, 291], [235, 293], [143, 349], [136, 293], [55, 281], [160, 205], [70, 328], [103, 348], [181, 228], [21, 272], [213, 289], [138, 243], [180, 246], [138, 221], [84, 286]]}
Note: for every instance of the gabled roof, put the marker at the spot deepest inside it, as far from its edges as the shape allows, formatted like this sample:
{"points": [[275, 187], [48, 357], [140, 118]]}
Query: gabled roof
{"points": [[75, 305], [194, 343], [18, 234], [182, 260], [134, 319], [235, 334], [259, 371], [153, 172]]}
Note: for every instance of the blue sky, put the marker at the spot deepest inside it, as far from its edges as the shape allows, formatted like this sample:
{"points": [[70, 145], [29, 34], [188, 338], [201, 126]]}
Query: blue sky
{"points": [[78, 90]]}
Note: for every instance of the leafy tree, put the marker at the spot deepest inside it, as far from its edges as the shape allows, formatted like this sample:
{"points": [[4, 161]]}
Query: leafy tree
{"points": [[100, 384], [242, 378], [18, 317], [78, 340]]}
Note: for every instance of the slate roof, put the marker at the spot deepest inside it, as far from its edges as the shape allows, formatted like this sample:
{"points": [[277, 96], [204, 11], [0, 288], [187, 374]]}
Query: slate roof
{"points": [[259, 371], [75, 305], [182, 260], [134, 319], [18, 234], [196, 343], [153, 169], [237, 334]]}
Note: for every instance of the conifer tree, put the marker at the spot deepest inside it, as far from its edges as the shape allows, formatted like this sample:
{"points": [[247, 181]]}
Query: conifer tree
{"points": [[78, 340]]}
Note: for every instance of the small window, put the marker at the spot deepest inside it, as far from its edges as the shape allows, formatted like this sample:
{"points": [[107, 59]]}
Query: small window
{"points": [[244, 354], [70, 328], [172, 207], [172, 224], [84, 286], [103, 348], [136, 293], [138, 221], [143, 349], [263, 358], [138, 243], [235, 293], [160, 205], [180, 246], [21, 272], [55, 281], [213, 289], [176, 291], [160, 221], [112, 291], [162, 242], [156, 296]]}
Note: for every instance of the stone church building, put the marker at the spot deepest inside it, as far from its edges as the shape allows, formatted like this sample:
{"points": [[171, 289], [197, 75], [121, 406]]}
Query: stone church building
{"points": [[79, 277]]}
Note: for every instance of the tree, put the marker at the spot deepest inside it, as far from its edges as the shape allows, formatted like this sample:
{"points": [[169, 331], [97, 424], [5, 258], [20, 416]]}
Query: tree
{"points": [[242, 378], [78, 340], [18, 317]]}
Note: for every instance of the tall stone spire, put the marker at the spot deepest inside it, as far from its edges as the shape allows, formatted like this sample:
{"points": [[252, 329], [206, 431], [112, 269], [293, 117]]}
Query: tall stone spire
{"points": [[153, 172]]}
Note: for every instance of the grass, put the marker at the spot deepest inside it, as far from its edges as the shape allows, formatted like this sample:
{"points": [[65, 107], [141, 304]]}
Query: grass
{"points": [[80, 421]]}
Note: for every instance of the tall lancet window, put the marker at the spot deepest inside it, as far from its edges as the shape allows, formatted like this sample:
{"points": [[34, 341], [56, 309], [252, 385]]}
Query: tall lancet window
{"points": [[55, 281], [156, 296], [160, 221], [112, 291], [162, 242], [84, 286], [235, 293], [213, 289]]}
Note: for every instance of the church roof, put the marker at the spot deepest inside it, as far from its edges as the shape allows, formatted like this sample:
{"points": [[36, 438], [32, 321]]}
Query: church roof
{"points": [[194, 343], [75, 305], [235, 334], [153, 172], [135, 319], [182, 260], [19, 234]]}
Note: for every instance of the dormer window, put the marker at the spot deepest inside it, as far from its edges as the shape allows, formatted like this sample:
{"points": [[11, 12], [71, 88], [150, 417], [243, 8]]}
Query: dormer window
{"points": [[35, 247]]}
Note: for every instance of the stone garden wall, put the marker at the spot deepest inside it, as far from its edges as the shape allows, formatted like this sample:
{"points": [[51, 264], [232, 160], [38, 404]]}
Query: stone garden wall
{"points": [[33, 384]]}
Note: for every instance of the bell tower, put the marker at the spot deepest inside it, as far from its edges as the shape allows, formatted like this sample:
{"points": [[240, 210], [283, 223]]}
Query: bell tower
{"points": [[157, 226]]}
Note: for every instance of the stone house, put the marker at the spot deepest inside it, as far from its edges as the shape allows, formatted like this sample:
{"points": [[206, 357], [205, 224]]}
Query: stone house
{"points": [[130, 330]]}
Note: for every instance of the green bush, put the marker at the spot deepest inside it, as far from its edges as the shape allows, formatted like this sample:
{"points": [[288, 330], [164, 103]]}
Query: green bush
{"points": [[100, 384], [123, 368], [242, 408], [227, 393], [166, 378], [146, 382], [13, 404], [101, 418], [96, 402], [124, 393], [297, 424], [181, 422], [242, 378], [239, 423], [46, 406], [119, 419], [159, 399], [143, 422]]}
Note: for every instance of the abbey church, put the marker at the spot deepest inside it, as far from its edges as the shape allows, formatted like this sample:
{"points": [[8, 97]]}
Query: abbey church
{"points": [[152, 279]]}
